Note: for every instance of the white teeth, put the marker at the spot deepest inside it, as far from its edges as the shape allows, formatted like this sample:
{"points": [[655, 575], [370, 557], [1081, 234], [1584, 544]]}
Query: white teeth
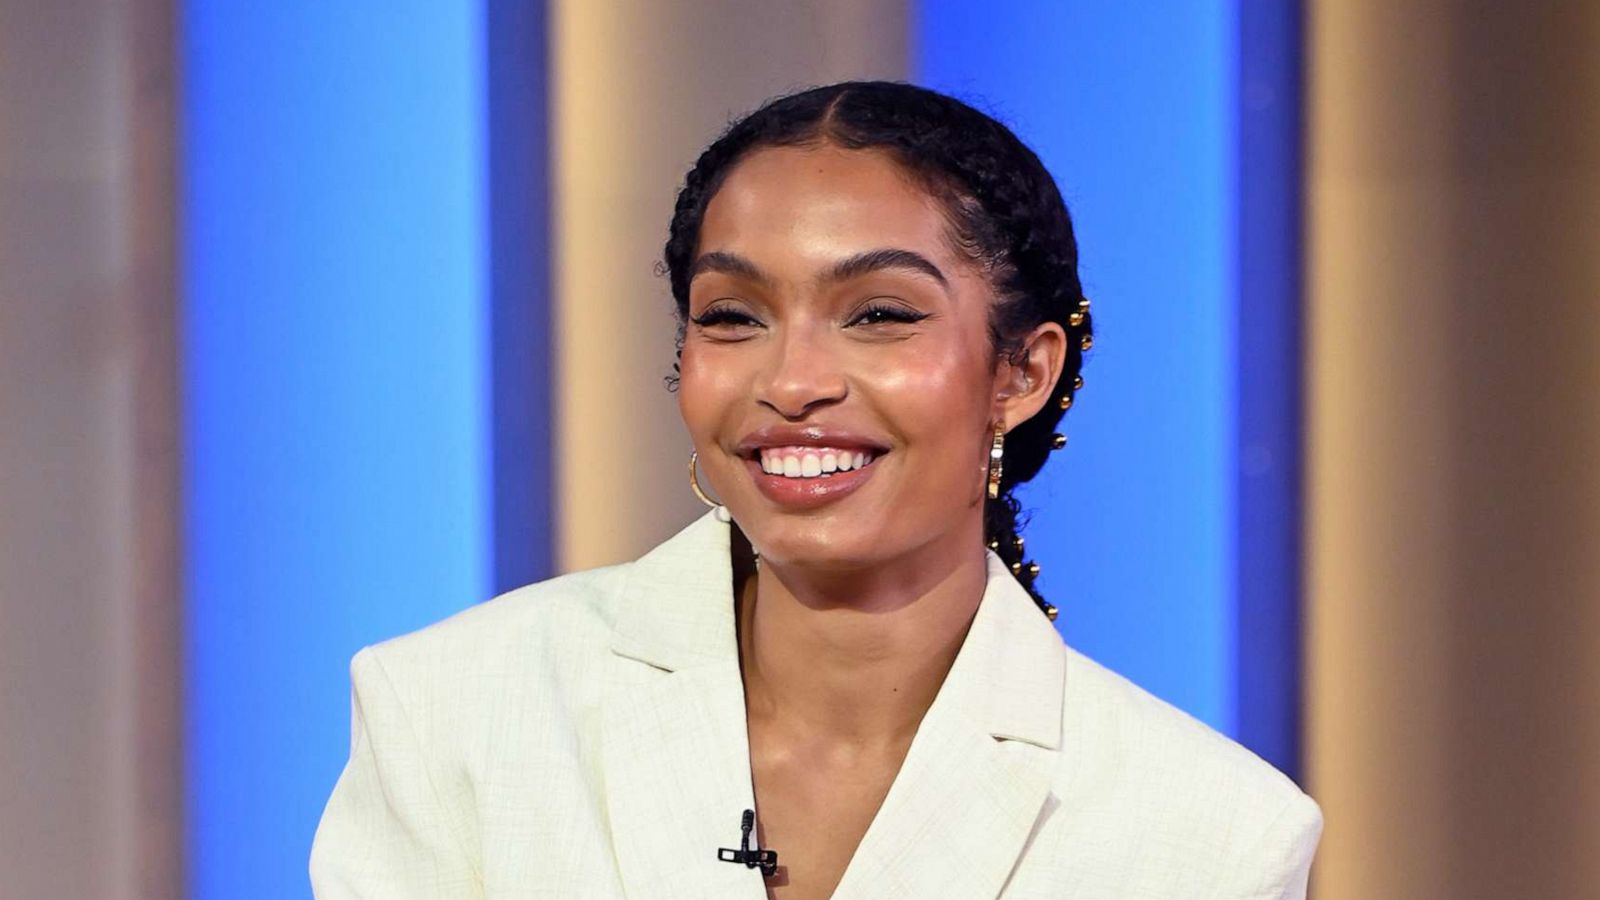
{"points": [[799, 462]]}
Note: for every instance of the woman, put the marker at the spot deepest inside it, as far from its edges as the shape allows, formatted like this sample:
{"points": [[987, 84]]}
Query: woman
{"points": [[844, 663]]}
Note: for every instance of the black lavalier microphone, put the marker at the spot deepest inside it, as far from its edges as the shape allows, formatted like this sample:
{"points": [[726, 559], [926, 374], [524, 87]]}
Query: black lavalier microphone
{"points": [[766, 860]]}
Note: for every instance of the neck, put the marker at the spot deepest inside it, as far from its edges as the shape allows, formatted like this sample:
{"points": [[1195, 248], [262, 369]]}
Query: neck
{"points": [[857, 657]]}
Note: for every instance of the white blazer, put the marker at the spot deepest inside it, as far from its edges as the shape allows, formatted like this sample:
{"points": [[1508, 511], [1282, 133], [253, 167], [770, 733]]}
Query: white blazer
{"points": [[585, 737]]}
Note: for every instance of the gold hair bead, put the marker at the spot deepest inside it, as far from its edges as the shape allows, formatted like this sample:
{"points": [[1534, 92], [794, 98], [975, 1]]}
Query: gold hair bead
{"points": [[1066, 401], [1086, 341], [1077, 383], [1033, 570], [1057, 441], [1083, 302], [1075, 319], [1017, 543], [1049, 612], [1016, 568], [994, 544]]}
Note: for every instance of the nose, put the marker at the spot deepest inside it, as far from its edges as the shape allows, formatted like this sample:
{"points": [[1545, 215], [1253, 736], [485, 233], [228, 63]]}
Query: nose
{"points": [[802, 374]]}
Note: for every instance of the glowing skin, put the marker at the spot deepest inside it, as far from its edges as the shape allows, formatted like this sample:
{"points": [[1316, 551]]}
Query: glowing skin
{"points": [[870, 573], [792, 348]]}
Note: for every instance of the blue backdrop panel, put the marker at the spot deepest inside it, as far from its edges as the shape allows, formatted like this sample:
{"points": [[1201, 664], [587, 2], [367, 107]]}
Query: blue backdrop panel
{"points": [[518, 213], [1133, 107], [1271, 459], [337, 368]]}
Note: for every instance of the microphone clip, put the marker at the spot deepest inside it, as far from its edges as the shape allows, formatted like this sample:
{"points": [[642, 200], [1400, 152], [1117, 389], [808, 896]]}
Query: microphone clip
{"points": [[765, 860]]}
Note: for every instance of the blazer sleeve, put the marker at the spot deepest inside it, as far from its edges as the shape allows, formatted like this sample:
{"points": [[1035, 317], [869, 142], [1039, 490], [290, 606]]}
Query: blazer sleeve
{"points": [[385, 831], [1277, 866]]}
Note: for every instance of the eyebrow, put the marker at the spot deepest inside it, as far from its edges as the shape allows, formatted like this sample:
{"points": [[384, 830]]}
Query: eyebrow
{"points": [[854, 266], [728, 264]]}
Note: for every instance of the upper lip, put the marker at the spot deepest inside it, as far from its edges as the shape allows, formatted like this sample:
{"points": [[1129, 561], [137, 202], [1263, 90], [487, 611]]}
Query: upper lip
{"points": [[805, 436]]}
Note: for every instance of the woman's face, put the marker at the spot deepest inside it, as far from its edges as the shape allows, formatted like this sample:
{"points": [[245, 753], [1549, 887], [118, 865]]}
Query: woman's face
{"points": [[838, 376]]}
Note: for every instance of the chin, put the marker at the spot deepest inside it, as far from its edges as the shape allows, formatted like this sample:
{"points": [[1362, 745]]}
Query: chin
{"points": [[821, 543]]}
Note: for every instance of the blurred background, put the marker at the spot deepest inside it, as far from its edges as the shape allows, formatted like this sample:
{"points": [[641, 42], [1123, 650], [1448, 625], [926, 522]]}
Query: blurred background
{"points": [[320, 321]]}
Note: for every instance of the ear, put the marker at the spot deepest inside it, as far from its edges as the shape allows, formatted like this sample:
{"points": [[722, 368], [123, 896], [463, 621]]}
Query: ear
{"points": [[1024, 382]]}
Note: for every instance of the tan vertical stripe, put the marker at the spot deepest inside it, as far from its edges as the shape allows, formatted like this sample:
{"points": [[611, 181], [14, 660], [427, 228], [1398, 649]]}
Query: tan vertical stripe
{"points": [[1454, 434], [640, 88], [152, 683], [91, 790]]}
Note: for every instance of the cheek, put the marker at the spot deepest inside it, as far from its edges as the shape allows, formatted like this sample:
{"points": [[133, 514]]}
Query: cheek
{"points": [[709, 389], [936, 395]]}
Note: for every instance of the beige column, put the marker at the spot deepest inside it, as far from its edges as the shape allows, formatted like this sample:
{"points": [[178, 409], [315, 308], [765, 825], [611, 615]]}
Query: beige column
{"points": [[1454, 448], [640, 86]]}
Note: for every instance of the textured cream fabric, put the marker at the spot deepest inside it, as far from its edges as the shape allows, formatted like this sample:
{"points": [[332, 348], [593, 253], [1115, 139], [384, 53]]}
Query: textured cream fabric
{"points": [[585, 737]]}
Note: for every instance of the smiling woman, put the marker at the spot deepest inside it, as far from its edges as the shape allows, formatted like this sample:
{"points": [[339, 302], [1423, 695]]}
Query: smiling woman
{"points": [[839, 681]]}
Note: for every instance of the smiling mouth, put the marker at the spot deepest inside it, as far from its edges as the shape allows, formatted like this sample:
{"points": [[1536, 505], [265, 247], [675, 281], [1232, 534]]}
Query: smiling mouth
{"points": [[813, 462]]}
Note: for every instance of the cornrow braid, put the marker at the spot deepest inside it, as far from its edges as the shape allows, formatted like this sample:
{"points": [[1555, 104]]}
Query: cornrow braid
{"points": [[1006, 215]]}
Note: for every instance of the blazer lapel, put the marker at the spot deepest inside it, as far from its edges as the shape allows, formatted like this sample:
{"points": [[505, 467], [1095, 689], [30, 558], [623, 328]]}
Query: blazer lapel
{"points": [[677, 779], [674, 743], [676, 755], [978, 774]]}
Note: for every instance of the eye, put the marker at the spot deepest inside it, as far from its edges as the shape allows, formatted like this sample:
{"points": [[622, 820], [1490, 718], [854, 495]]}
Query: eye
{"points": [[726, 321], [879, 312]]}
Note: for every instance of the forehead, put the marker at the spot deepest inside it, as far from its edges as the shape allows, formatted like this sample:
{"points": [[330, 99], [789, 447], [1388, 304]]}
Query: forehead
{"points": [[822, 201]]}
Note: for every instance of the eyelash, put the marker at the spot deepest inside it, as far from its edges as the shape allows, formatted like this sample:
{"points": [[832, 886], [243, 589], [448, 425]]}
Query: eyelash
{"points": [[722, 315], [890, 313]]}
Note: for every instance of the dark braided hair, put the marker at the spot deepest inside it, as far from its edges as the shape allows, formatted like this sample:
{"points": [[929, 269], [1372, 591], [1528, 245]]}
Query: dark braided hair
{"points": [[1005, 212]]}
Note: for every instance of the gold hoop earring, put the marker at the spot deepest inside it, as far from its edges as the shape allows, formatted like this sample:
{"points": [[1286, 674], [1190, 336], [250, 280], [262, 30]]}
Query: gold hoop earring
{"points": [[694, 481], [997, 452]]}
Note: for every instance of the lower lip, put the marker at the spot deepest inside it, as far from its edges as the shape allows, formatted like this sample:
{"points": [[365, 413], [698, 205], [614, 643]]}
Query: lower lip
{"points": [[809, 493]]}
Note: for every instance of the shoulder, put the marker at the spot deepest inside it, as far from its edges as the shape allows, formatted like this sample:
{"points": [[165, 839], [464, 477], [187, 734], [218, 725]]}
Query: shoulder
{"points": [[541, 656], [567, 620], [537, 650], [1121, 724], [574, 610], [1179, 783]]}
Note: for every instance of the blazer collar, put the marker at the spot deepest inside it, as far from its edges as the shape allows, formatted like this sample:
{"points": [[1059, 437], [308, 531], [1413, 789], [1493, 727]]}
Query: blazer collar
{"points": [[675, 754], [677, 612]]}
